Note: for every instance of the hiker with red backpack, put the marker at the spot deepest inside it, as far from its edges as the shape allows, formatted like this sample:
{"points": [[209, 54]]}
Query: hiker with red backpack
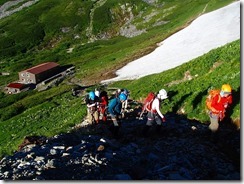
{"points": [[217, 102], [103, 96], [153, 108]]}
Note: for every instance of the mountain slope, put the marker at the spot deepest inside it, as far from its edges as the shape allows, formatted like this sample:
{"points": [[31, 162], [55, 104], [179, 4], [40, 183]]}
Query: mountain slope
{"points": [[182, 150], [54, 111]]}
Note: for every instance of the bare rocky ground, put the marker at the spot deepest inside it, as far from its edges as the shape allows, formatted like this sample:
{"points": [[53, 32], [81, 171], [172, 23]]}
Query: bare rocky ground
{"points": [[183, 150]]}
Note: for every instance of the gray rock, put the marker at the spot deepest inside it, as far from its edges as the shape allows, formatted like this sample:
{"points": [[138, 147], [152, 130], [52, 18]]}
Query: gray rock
{"points": [[122, 177]]}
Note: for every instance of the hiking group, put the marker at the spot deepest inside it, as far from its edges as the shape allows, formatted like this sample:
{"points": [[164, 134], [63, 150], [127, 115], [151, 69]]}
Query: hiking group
{"points": [[98, 104]]}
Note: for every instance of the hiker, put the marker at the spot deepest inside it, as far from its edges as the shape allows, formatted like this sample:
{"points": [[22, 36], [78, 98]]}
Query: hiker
{"points": [[217, 104], [97, 93], [117, 93], [92, 103], [124, 103], [154, 114], [114, 108], [103, 98]]}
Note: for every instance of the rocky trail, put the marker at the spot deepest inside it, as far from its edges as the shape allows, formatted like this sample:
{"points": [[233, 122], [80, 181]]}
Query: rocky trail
{"points": [[183, 150]]}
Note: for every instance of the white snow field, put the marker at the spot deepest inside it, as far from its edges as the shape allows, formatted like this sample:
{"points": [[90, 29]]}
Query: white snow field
{"points": [[207, 32]]}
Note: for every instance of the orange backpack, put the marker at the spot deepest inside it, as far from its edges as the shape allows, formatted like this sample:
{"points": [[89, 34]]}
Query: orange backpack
{"points": [[211, 94]]}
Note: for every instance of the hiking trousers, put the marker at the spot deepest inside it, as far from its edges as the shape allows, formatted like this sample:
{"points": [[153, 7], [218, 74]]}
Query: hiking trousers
{"points": [[103, 112], [92, 116], [153, 117], [214, 122]]}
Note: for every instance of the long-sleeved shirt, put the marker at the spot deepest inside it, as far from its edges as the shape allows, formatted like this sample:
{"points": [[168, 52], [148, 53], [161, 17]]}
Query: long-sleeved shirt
{"points": [[220, 103], [114, 107], [92, 103], [156, 107]]}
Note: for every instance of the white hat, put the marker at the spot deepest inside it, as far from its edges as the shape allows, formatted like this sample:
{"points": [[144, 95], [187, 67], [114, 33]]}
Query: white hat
{"points": [[97, 93], [162, 94]]}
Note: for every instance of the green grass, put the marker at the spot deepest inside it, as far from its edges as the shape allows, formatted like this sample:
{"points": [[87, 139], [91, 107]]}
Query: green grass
{"points": [[56, 112], [191, 94]]}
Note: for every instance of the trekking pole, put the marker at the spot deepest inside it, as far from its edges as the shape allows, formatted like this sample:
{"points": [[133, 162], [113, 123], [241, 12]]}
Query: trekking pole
{"points": [[140, 117]]}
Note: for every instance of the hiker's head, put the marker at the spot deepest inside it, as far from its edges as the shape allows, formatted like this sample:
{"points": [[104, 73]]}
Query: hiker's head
{"points": [[125, 91], [225, 90], [162, 94], [92, 95], [118, 90], [122, 97], [97, 93]]}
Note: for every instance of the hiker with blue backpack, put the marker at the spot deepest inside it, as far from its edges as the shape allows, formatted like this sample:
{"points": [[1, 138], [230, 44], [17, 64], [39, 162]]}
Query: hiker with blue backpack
{"points": [[127, 93], [115, 109], [152, 106]]}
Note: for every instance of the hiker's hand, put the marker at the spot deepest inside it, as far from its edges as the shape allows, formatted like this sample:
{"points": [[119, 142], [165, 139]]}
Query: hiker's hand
{"points": [[163, 119], [225, 105], [221, 115]]}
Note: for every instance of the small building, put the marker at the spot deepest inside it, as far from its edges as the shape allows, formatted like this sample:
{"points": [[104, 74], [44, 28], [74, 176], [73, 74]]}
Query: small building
{"points": [[14, 88], [39, 73]]}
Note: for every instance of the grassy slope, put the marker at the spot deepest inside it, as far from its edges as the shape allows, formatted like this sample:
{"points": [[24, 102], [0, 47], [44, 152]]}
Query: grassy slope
{"points": [[18, 43], [55, 111], [219, 66]]}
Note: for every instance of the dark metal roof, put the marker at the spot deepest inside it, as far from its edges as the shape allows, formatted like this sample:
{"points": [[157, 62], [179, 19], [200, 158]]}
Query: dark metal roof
{"points": [[41, 68], [16, 85]]}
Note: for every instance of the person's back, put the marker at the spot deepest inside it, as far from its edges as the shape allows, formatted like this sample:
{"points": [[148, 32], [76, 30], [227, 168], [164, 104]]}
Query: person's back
{"points": [[125, 103], [92, 102], [104, 98], [103, 105], [219, 102], [218, 105], [114, 108], [155, 115]]}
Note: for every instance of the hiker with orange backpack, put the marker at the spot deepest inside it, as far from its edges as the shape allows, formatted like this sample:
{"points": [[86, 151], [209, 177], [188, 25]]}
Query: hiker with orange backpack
{"points": [[217, 102], [154, 114]]}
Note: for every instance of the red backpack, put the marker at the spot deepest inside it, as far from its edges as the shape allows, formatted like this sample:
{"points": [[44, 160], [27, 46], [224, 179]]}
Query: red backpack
{"points": [[147, 105]]}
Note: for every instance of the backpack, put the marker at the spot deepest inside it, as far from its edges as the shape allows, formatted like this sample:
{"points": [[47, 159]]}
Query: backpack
{"points": [[211, 94], [147, 105], [104, 97]]}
